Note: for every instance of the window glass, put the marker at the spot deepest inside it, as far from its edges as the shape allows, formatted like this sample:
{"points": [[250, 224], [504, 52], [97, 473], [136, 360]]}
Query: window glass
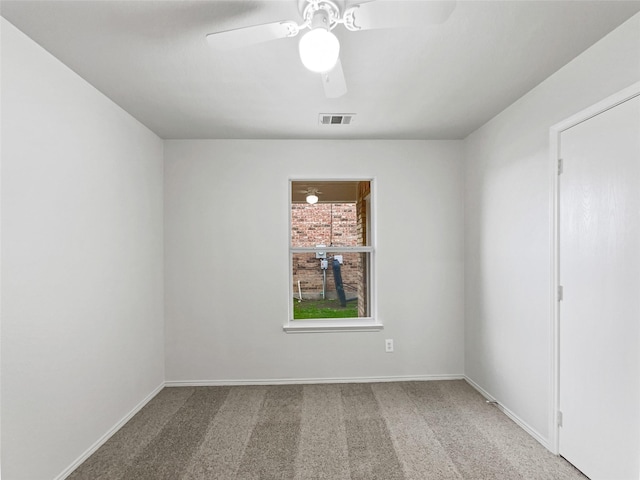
{"points": [[331, 251]]}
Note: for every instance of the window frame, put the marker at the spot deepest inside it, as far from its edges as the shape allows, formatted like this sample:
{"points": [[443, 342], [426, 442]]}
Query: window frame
{"points": [[370, 323]]}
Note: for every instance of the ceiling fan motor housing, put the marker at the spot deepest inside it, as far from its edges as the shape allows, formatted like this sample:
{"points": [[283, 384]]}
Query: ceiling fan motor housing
{"points": [[320, 19], [321, 14]]}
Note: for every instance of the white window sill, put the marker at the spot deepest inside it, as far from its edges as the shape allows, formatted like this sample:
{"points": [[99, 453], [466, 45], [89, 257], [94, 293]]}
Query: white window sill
{"points": [[326, 326]]}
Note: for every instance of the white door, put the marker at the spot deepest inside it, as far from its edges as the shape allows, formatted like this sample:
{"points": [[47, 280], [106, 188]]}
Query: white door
{"points": [[599, 230]]}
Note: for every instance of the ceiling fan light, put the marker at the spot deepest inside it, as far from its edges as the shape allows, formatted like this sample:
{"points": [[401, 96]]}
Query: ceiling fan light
{"points": [[319, 50], [311, 199]]}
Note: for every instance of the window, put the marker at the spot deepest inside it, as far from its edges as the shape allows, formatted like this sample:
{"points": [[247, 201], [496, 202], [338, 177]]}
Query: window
{"points": [[331, 255]]}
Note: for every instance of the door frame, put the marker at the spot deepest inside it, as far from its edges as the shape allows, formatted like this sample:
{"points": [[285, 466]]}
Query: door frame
{"points": [[554, 155]]}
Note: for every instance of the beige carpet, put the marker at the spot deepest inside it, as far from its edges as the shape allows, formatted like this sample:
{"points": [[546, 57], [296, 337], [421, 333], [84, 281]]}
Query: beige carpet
{"points": [[372, 431]]}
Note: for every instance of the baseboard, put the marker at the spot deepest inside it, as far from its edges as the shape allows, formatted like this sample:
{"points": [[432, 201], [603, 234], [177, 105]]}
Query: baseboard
{"points": [[67, 471], [521, 423], [296, 381]]}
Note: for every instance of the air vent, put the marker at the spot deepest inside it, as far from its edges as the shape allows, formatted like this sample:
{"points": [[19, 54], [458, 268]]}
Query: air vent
{"points": [[336, 118]]}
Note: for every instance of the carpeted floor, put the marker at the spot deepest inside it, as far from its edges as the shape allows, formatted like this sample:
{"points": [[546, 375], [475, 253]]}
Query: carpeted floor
{"points": [[371, 431]]}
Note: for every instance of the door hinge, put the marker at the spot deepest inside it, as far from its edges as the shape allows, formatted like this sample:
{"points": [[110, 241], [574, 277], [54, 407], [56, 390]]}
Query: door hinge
{"points": [[560, 166], [559, 418], [560, 293]]}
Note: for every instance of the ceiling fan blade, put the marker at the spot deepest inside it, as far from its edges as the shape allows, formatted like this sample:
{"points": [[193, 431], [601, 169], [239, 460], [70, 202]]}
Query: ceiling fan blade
{"points": [[242, 37], [392, 14], [334, 82]]}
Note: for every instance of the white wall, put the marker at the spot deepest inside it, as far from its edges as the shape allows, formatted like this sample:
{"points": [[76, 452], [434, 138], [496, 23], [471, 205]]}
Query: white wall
{"points": [[226, 260], [508, 227], [82, 311]]}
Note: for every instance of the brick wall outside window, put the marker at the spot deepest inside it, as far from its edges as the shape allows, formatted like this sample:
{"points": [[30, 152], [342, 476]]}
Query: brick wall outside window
{"points": [[330, 224], [364, 190]]}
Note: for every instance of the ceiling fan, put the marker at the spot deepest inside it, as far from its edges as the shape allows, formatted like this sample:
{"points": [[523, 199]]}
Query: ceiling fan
{"points": [[319, 48], [311, 194]]}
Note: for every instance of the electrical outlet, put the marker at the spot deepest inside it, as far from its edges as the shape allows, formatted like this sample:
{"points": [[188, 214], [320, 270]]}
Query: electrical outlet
{"points": [[388, 345]]}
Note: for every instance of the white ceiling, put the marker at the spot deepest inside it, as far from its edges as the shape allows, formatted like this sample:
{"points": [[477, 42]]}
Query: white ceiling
{"points": [[425, 82]]}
